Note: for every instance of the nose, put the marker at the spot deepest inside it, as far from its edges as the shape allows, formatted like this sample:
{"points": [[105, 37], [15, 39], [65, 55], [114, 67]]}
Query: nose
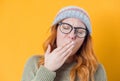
{"points": [[72, 35]]}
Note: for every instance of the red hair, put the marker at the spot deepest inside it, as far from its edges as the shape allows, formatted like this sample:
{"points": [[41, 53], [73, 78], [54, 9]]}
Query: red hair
{"points": [[85, 57]]}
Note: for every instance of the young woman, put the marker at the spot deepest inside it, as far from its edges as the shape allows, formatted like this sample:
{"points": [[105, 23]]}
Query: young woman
{"points": [[69, 54]]}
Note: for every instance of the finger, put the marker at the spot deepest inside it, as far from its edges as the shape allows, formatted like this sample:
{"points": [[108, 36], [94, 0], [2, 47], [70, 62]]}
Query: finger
{"points": [[64, 49], [67, 56], [67, 51], [66, 44], [59, 48], [48, 49]]}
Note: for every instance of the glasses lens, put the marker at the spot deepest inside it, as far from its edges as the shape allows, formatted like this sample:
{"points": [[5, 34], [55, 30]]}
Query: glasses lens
{"points": [[65, 28], [81, 32]]}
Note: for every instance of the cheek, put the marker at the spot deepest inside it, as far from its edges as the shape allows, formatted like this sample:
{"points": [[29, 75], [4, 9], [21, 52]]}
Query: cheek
{"points": [[80, 41], [78, 44], [60, 36]]}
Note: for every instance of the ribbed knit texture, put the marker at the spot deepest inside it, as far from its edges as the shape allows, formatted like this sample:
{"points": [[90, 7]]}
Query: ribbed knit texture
{"points": [[73, 12], [31, 72]]}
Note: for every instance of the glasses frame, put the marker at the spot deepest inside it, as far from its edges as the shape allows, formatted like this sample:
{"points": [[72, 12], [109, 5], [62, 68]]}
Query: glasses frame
{"points": [[75, 28]]}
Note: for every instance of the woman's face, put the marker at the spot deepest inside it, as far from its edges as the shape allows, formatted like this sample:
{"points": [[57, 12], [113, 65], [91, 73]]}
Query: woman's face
{"points": [[63, 38]]}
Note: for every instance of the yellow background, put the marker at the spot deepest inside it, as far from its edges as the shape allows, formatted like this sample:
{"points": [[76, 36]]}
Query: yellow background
{"points": [[24, 25]]}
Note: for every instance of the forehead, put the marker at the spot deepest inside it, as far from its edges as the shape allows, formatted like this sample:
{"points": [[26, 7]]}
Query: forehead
{"points": [[74, 22]]}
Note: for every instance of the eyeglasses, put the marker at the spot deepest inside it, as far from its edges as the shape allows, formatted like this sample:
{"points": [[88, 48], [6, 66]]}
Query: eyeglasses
{"points": [[67, 28]]}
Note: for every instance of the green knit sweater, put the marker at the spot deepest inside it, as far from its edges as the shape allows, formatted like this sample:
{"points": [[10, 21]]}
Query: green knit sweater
{"points": [[31, 72]]}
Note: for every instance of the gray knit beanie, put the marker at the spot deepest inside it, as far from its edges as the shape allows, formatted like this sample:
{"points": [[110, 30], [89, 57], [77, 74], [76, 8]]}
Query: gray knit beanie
{"points": [[73, 12]]}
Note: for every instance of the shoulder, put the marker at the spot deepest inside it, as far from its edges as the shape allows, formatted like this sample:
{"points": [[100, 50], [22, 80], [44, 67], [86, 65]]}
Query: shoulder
{"points": [[30, 67], [32, 60], [100, 74]]}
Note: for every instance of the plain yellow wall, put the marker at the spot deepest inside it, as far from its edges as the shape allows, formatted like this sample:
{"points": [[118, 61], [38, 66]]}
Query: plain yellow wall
{"points": [[24, 25]]}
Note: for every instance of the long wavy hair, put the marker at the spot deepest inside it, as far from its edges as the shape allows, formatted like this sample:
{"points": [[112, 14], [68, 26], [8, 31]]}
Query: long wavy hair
{"points": [[87, 62]]}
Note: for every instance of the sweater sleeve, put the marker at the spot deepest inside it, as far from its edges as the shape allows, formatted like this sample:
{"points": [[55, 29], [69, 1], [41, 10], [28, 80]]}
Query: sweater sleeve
{"points": [[100, 74], [32, 73]]}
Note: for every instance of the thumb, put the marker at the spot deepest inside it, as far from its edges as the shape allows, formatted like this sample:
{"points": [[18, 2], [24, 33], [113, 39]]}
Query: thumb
{"points": [[48, 49]]}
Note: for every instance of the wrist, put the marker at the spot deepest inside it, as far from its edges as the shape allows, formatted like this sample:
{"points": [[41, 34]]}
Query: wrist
{"points": [[49, 68]]}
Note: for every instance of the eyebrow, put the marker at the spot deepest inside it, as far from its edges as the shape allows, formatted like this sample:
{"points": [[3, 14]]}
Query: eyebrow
{"points": [[79, 28], [76, 27]]}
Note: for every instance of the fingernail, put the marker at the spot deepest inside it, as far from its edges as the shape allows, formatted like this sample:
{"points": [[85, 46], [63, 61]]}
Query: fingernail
{"points": [[72, 42]]}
